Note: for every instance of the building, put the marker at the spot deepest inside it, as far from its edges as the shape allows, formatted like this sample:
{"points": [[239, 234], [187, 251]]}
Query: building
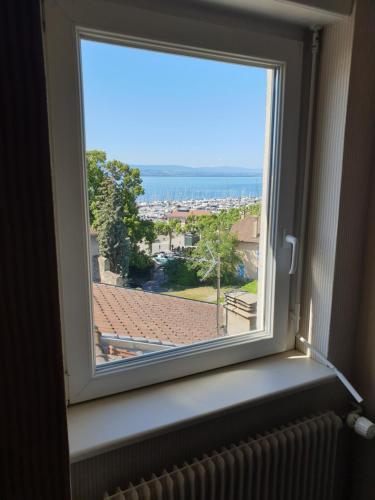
{"points": [[247, 231], [100, 268], [190, 239], [182, 215]]}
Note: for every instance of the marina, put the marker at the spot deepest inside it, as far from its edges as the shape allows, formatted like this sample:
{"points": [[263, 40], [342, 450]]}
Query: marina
{"points": [[160, 209]]}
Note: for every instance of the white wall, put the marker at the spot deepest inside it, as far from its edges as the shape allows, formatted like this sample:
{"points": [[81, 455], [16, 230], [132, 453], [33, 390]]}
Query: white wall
{"points": [[324, 203]]}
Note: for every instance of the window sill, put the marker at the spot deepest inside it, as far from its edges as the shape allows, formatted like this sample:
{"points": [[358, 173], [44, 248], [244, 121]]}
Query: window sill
{"points": [[108, 423]]}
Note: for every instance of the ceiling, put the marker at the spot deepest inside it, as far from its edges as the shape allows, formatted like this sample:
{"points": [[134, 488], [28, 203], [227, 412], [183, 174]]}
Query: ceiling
{"points": [[301, 12]]}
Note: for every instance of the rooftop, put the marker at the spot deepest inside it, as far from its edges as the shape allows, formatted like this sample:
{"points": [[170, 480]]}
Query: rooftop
{"points": [[145, 317]]}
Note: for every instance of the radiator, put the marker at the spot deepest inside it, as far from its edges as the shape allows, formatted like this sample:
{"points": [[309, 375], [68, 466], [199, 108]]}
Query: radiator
{"points": [[293, 462]]}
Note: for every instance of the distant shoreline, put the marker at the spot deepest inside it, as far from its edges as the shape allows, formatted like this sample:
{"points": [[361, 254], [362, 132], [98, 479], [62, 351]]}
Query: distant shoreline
{"points": [[199, 175], [185, 171]]}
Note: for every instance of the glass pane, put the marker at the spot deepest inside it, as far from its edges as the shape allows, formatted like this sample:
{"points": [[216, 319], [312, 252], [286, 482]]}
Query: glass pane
{"points": [[177, 175]]}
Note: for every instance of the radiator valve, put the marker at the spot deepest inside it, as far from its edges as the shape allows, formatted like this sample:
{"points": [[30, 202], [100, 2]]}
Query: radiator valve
{"points": [[361, 425]]}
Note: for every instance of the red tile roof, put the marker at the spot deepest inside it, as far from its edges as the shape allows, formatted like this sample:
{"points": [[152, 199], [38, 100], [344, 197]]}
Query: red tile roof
{"points": [[139, 315]]}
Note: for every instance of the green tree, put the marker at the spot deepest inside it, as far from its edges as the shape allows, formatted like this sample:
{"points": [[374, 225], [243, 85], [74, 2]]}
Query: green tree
{"points": [[139, 262], [214, 234], [253, 209], [168, 228], [195, 224], [213, 245], [95, 163], [128, 183], [216, 242], [123, 185], [111, 228], [180, 273], [149, 233]]}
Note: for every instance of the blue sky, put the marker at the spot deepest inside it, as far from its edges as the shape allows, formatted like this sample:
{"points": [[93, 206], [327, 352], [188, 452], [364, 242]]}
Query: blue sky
{"points": [[146, 107]]}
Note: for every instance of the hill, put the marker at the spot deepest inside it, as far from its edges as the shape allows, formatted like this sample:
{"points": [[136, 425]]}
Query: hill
{"points": [[183, 171]]}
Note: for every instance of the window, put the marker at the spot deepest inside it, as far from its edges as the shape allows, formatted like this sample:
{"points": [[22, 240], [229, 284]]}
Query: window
{"points": [[174, 162], [173, 248]]}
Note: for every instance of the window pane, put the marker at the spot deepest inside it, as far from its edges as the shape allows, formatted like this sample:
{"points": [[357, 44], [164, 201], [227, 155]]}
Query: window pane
{"points": [[177, 182]]}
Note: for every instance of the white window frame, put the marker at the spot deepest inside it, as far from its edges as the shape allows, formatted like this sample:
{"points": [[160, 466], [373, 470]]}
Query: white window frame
{"points": [[66, 22]]}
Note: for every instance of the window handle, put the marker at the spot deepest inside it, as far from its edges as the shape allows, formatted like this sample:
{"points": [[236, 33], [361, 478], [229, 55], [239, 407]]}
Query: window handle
{"points": [[292, 240]]}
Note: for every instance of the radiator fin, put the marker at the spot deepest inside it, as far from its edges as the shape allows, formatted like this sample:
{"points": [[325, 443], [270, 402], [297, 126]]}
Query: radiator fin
{"points": [[293, 462]]}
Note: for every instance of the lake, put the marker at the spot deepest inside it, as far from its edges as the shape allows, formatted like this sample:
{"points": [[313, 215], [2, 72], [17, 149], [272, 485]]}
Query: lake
{"points": [[199, 188]]}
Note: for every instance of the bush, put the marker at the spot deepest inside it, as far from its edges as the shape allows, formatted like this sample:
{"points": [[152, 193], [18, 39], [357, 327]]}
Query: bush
{"points": [[179, 273], [140, 261]]}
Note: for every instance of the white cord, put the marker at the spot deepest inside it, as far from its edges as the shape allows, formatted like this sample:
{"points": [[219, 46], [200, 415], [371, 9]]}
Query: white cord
{"points": [[339, 375]]}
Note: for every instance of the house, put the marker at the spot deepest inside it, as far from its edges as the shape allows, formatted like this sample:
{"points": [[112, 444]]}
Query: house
{"points": [[247, 231], [182, 215], [240, 306]]}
